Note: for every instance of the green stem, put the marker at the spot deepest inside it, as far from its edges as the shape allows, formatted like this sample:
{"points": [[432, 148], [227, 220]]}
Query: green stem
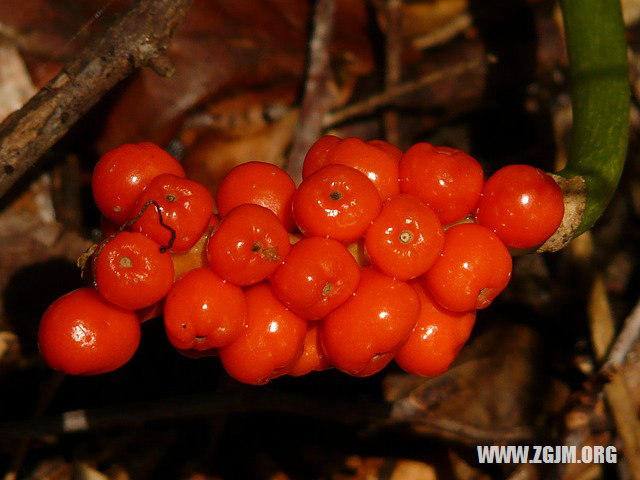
{"points": [[595, 36]]}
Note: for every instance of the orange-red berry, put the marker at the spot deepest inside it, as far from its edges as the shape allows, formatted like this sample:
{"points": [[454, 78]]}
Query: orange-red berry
{"points": [[203, 312], [270, 343], [337, 202], [472, 270], [448, 180], [437, 338], [316, 276], [122, 174], [248, 245], [82, 334], [259, 183], [362, 335], [405, 239], [522, 205], [132, 272]]}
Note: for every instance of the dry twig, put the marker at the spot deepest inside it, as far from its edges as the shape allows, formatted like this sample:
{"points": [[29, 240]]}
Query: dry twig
{"points": [[393, 73], [392, 95], [44, 401], [317, 100], [139, 38], [616, 391], [623, 344], [237, 400]]}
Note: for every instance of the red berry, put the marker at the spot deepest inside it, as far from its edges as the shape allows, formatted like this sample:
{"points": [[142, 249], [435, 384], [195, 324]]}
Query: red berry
{"points": [[132, 272], [472, 270], [316, 157], [271, 342], [437, 338], [405, 239], [248, 245], [202, 311], [185, 206], [316, 276], [123, 173], [259, 183], [337, 202], [446, 179], [371, 160], [361, 336], [522, 205], [82, 334]]}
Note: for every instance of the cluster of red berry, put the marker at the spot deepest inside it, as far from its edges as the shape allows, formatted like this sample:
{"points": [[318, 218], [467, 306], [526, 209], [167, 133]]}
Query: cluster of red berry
{"points": [[352, 269]]}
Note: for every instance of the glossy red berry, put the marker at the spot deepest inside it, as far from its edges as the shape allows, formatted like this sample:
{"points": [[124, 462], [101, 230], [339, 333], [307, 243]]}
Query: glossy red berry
{"points": [[473, 268], [362, 335], [121, 175], [185, 206], [437, 338], [82, 334], [373, 161], [405, 239], [270, 343], [316, 276], [248, 245], [316, 157], [132, 272], [337, 202], [446, 179], [522, 205], [203, 312], [259, 183]]}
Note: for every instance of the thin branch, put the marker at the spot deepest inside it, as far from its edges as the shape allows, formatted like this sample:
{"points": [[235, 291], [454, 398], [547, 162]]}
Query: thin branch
{"points": [[616, 392], [459, 431], [371, 413], [390, 96], [51, 388], [441, 35], [139, 38], [406, 410], [623, 343], [238, 400], [393, 73], [317, 99]]}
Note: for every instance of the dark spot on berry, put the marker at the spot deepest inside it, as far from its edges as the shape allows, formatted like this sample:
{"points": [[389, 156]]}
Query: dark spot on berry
{"points": [[335, 195]]}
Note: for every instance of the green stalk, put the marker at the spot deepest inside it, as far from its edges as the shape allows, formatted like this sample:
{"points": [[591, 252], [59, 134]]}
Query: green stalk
{"points": [[595, 36]]}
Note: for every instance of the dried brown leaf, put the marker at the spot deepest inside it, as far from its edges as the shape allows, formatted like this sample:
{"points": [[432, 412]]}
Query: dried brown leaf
{"points": [[494, 393], [213, 154], [229, 46]]}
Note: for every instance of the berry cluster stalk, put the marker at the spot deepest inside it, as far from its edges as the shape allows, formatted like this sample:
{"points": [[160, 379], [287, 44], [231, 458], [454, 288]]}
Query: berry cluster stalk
{"points": [[597, 48]]}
